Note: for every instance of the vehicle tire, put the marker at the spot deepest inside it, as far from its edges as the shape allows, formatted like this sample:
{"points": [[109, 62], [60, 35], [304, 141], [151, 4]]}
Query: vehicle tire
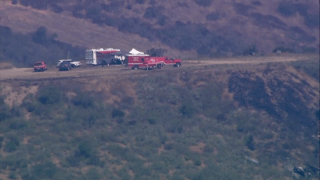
{"points": [[159, 66], [178, 64], [72, 65], [135, 67], [35, 70]]}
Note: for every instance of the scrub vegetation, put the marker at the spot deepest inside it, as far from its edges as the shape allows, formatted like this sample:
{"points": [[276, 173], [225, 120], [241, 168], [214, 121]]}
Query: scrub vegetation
{"points": [[173, 125]]}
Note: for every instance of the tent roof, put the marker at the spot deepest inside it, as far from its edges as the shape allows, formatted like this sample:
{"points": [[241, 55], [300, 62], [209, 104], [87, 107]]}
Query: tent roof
{"points": [[136, 52]]}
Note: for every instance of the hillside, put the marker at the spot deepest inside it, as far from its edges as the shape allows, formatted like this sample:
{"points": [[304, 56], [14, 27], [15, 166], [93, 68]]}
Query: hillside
{"points": [[203, 27], [189, 123]]}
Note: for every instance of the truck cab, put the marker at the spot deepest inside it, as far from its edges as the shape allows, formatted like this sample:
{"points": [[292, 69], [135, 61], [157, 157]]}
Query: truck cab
{"points": [[169, 61]]}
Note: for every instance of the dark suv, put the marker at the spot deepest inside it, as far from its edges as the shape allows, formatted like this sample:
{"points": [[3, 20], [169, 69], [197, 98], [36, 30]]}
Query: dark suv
{"points": [[64, 66]]}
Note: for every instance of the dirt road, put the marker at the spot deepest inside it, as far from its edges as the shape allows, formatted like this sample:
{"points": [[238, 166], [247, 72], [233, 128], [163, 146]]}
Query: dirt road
{"points": [[53, 73]]}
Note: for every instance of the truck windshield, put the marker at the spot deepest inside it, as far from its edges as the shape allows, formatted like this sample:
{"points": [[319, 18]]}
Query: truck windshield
{"points": [[89, 55]]}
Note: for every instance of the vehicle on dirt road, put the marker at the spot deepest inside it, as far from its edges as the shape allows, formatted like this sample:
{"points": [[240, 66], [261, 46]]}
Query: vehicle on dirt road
{"points": [[136, 60], [168, 61], [40, 66], [65, 66], [73, 63], [104, 56]]}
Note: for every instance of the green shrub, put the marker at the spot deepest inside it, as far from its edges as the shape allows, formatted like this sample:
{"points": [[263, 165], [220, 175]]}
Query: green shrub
{"points": [[251, 50], [140, 1], [187, 110], [4, 110], [152, 121], [117, 113], [152, 12], [309, 67], [85, 149], [28, 103], [12, 175], [17, 124], [312, 21], [249, 142], [213, 17], [156, 52], [84, 100], [95, 160], [197, 162], [93, 173], [1, 139], [12, 145], [282, 49], [287, 8], [45, 170], [73, 161], [168, 146], [208, 149], [203, 3], [49, 95]]}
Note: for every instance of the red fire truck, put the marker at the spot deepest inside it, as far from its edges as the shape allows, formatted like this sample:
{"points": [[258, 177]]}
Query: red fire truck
{"points": [[136, 60], [142, 61]]}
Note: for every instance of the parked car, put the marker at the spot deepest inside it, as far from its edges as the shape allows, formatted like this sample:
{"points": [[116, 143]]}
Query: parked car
{"points": [[73, 63], [65, 66], [40, 66]]}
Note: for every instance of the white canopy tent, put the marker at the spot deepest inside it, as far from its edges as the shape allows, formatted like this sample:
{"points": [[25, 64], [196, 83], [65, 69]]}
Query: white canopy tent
{"points": [[136, 52]]}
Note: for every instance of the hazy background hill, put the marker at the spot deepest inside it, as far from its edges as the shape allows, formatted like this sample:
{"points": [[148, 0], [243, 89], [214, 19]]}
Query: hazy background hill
{"points": [[199, 27]]}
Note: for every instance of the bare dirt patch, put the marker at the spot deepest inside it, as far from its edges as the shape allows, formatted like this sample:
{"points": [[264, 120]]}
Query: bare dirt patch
{"points": [[4, 65], [198, 148], [161, 149], [15, 95]]}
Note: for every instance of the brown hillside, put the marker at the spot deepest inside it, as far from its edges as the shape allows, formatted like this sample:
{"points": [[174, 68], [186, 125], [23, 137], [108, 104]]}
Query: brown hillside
{"points": [[75, 31], [216, 26]]}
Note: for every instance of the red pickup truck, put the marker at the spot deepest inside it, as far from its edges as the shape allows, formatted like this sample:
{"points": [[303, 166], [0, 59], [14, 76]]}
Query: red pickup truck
{"points": [[145, 61], [40, 66], [168, 61]]}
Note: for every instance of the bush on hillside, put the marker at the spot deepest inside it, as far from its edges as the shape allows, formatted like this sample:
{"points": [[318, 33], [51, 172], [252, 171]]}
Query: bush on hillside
{"points": [[204, 3], [117, 113], [249, 142], [46, 170], [14, 1], [11, 145], [56, 8], [156, 52], [213, 17], [282, 49], [309, 67], [84, 100], [153, 12], [140, 1], [1, 140], [187, 110], [251, 50], [4, 110], [49, 95], [287, 8], [312, 21]]}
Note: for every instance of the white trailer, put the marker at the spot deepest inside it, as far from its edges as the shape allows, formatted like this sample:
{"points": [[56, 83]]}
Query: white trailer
{"points": [[98, 56]]}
